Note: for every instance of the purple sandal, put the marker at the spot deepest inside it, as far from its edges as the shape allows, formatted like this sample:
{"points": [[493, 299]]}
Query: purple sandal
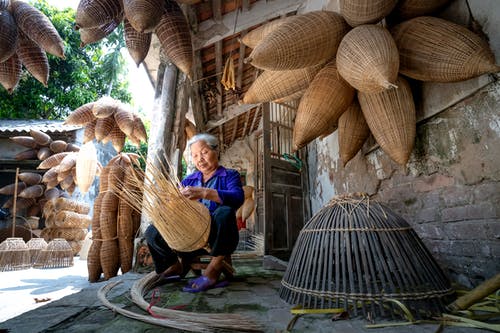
{"points": [[203, 283]]}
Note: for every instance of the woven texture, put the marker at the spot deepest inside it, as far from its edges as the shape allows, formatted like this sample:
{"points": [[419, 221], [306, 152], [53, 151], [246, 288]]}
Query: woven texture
{"points": [[8, 35], [327, 97], [271, 85], [94, 261], [353, 132], [433, 49], [34, 59], [254, 37], [110, 258], [30, 178], [358, 255], [86, 166], [138, 43], [175, 37], [81, 115], [358, 12], [406, 9], [36, 246], [95, 13], [368, 58], [392, 119], [14, 255], [68, 219], [10, 73], [57, 254], [95, 34], [302, 41], [290, 98], [143, 15], [71, 205], [38, 28]]}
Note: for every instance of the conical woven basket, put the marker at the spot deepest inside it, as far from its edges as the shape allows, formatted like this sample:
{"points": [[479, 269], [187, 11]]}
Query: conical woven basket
{"points": [[14, 255], [301, 41], [359, 255], [271, 85], [33, 57], [175, 37], [327, 97], [406, 9], [433, 49], [110, 258], [368, 58], [358, 12], [290, 98], [90, 14], [10, 73], [8, 35], [86, 166], [391, 117], [58, 254], [138, 43], [71, 205], [36, 246], [95, 34], [254, 37], [353, 132], [143, 15]]}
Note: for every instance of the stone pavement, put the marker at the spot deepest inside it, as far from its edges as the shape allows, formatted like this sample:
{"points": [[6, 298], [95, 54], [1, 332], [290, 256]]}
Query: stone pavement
{"points": [[253, 293]]}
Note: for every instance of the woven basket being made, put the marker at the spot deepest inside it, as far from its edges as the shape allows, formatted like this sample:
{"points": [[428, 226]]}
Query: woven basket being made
{"points": [[391, 117], [368, 58], [301, 41], [433, 49], [359, 255], [358, 12]]}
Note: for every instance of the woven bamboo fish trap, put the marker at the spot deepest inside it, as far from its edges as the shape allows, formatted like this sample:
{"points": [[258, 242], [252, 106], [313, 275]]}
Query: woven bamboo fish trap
{"points": [[254, 37], [358, 12], [406, 9], [30, 178], [14, 255], [71, 205], [143, 15], [36, 246], [327, 97], [353, 132], [91, 13], [391, 117], [33, 57], [86, 166], [271, 85], [34, 191], [58, 146], [368, 59], [359, 255], [175, 37], [95, 34], [81, 115], [10, 73], [290, 98], [433, 49], [68, 219], [302, 41], [9, 189], [183, 223], [8, 35], [58, 254], [25, 141], [109, 258], [37, 27], [138, 43]]}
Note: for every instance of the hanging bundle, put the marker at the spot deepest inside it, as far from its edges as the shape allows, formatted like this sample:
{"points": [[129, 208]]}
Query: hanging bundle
{"points": [[227, 79]]}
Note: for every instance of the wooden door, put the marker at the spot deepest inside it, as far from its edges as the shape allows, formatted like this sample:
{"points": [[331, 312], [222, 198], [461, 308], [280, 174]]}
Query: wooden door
{"points": [[282, 202]]}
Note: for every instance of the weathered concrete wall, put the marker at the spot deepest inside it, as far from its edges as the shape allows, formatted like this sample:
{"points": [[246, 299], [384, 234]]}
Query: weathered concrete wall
{"points": [[450, 189], [240, 156]]}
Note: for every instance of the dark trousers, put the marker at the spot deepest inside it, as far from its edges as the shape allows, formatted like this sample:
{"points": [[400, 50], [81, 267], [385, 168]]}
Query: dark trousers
{"points": [[223, 240]]}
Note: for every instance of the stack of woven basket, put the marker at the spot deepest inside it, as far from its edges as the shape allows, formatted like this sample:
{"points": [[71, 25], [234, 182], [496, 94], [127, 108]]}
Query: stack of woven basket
{"points": [[331, 61], [68, 219]]}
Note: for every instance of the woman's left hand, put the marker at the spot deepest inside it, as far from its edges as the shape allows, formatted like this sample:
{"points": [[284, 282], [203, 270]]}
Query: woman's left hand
{"points": [[194, 192]]}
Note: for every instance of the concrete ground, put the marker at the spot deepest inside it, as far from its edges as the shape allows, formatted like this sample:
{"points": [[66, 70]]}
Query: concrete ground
{"points": [[253, 293]]}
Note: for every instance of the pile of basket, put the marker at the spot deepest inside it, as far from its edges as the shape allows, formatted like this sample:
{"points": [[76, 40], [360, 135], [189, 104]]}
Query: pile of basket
{"points": [[26, 34], [67, 219], [350, 71], [114, 222]]}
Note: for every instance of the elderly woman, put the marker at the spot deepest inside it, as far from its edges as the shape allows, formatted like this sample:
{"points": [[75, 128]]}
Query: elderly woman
{"points": [[219, 189]]}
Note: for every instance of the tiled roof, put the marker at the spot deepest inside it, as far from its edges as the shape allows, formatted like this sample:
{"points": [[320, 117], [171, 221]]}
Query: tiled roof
{"points": [[10, 127]]}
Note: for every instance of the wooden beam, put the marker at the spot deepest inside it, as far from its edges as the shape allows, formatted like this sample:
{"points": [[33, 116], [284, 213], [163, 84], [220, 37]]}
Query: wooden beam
{"points": [[245, 126], [235, 130], [211, 31], [218, 69], [255, 116], [232, 112], [241, 63]]}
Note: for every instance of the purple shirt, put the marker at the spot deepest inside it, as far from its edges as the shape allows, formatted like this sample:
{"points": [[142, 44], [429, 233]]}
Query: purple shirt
{"points": [[227, 182]]}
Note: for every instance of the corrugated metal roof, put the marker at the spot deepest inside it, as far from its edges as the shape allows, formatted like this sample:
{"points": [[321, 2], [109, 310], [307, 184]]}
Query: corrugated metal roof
{"points": [[9, 127]]}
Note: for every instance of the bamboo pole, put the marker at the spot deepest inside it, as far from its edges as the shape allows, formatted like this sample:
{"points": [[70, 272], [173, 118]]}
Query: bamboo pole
{"points": [[14, 205], [484, 289]]}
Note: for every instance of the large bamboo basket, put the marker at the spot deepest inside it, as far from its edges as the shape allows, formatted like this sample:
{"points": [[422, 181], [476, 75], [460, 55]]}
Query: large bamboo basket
{"points": [[95, 34], [71, 205], [14, 255], [271, 85], [358, 12], [183, 223], [359, 255], [138, 43], [81, 116], [406, 9], [175, 37], [368, 59], [8, 35], [94, 267], [86, 166], [36, 246], [433, 49], [33, 57], [91, 13], [10, 73], [353, 132], [57, 254], [327, 97], [143, 15], [254, 37], [302, 41], [69, 219], [391, 117], [290, 98], [110, 258], [37, 27], [30, 178]]}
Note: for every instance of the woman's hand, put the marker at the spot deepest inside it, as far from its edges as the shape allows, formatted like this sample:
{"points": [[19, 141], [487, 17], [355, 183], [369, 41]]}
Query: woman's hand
{"points": [[194, 192]]}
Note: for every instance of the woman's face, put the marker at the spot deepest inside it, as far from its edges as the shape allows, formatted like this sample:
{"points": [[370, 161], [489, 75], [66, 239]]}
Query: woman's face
{"points": [[204, 157]]}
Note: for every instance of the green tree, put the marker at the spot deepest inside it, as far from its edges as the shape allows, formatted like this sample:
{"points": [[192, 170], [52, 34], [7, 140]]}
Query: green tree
{"points": [[85, 75]]}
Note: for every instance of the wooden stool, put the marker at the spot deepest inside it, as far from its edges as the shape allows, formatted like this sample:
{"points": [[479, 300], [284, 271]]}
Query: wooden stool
{"points": [[201, 262]]}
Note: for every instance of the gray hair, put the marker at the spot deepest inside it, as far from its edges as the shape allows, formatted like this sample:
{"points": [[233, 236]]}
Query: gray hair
{"points": [[208, 138]]}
